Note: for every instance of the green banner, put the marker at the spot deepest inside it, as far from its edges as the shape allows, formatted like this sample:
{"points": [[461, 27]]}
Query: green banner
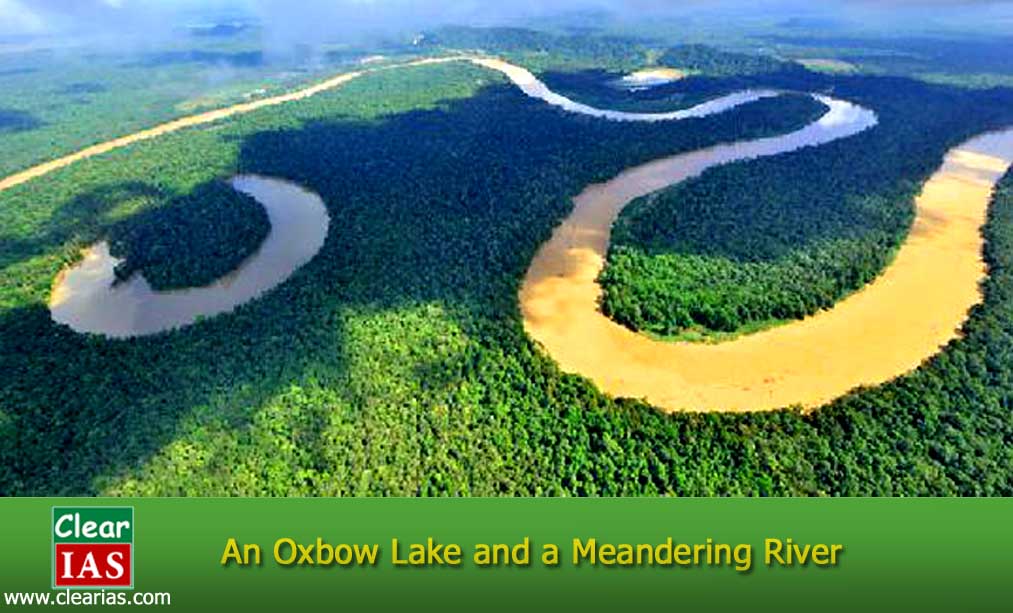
{"points": [[517, 554]]}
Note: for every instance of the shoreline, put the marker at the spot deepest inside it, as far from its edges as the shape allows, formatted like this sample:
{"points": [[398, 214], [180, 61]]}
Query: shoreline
{"points": [[883, 330], [876, 334]]}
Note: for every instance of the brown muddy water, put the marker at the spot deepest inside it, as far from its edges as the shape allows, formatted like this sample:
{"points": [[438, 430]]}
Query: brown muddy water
{"points": [[86, 298], [880, 332], [883, 331]]}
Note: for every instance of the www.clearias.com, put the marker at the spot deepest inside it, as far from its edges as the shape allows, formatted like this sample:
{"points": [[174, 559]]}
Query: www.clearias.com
{"points": [[71, 598]]}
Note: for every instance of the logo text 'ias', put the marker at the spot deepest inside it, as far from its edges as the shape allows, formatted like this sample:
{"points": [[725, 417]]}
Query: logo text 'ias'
{"points": [[93, 547]]}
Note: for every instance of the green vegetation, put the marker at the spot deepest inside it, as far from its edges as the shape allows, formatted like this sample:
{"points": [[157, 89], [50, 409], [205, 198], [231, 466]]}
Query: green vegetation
{"points": [[17, 121], [190, 241], [588, 68], [599, 88], [752, 243], [395, 361], [829, 66], [712, 62], [539, 50], [55, 101], [978, 61]]}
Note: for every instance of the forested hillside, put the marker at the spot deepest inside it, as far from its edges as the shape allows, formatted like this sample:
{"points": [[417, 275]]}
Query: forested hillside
{"points": [[395, 362]]}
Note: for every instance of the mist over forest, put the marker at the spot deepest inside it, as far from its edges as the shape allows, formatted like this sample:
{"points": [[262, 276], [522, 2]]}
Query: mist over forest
{"points": [[285, 24]]}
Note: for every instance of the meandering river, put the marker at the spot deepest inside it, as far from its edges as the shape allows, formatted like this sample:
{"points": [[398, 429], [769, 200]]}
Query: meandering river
{"points": [[882, 331], [86, 298]]}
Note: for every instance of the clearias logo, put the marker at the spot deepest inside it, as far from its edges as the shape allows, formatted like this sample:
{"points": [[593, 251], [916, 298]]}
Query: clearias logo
{"points": [[93, 547]]}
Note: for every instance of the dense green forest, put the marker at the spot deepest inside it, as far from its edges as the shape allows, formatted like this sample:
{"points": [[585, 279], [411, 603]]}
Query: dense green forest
{"points": [[600, 88], [56, 99], [980, 61], [716, 63], [189, 241], [588, 68], [752, 243], [540, 49], [395, 362], [409, 303]]}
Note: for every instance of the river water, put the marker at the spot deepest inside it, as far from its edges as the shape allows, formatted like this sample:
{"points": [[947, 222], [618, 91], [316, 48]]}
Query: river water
{"points": [[880, 332], [533, 87], [885, 330], [86, 298]]}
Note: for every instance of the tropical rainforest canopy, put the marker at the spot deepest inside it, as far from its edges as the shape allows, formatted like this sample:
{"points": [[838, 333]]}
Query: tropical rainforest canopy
{"points": [[395, 361]]}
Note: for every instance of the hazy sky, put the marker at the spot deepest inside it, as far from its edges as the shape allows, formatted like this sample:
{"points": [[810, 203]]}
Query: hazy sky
{"points": [[312, 19]]}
